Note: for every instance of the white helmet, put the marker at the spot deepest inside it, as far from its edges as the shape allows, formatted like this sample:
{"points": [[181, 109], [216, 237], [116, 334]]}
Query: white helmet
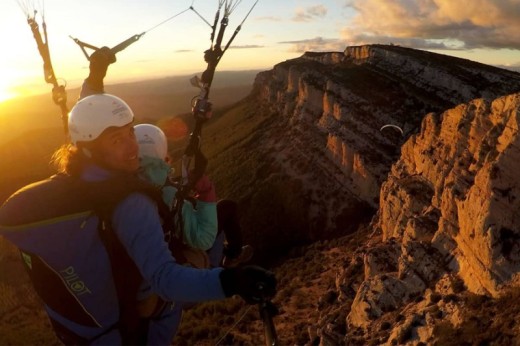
{"points": [[94, 114], [152, 141]]}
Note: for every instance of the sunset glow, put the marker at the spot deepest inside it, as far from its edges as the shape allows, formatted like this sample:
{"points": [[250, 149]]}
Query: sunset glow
{"points": [[5, 94], [274, 32], [7, 82]]}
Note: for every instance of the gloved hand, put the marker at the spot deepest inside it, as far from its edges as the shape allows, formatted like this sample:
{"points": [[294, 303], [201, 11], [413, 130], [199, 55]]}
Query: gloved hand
{"points": [[253, 283], [99, 61], [205, 190]]}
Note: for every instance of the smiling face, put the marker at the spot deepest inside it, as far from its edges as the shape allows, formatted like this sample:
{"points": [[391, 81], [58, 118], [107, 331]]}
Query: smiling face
{"points": [[116, 149]]}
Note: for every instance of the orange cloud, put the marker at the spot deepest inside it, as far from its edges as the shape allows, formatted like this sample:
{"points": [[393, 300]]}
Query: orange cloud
{"points": [[310, 13], [317, 44], [460, 24]]}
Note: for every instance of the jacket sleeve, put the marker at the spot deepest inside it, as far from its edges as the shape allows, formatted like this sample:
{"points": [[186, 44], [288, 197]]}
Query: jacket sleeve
{"points": [[87, 90], [200, 225], [138, 225]]}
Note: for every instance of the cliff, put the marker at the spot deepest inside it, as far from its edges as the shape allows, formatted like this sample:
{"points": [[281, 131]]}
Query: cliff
{"points": [[457, 188], [447, 224], [341, 100], [445, 190]]}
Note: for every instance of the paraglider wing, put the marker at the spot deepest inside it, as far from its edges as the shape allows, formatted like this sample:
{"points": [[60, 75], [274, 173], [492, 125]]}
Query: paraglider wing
{"points": [[388, 126]]}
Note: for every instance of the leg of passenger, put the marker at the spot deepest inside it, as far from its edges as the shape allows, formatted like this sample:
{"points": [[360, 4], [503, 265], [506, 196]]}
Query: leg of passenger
{"points": [[216, 253], [228, 223], [227, 214]]}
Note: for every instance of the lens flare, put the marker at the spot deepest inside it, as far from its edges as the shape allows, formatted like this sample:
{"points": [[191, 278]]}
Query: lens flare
{"points": [[174, 128]]}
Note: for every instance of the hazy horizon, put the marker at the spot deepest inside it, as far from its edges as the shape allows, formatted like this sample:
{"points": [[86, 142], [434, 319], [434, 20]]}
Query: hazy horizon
{"points": [[176, 37], [149, 98], [47, 88]]}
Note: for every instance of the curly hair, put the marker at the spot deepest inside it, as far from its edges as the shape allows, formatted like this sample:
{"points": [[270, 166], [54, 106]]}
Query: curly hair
{"points": [[68, 159]]}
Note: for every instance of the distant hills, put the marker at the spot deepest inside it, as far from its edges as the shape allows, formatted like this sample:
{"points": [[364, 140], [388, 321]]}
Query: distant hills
{"points": [[150, 100]]}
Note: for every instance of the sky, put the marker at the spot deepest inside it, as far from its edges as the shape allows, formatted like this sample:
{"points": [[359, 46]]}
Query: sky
{"points": [[175, 36]]}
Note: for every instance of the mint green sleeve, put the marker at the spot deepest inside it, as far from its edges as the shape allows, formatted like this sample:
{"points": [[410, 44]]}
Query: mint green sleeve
{"points": [[200, 225]]}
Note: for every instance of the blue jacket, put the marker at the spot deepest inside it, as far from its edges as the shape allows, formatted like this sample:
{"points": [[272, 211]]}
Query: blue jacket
{"points": [[68, 243]]}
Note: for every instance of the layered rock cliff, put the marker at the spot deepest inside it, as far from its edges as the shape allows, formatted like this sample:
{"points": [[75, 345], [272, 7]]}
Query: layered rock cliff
{"points": [[446, 191], [340, 101], [457, 188], [447, 228]]}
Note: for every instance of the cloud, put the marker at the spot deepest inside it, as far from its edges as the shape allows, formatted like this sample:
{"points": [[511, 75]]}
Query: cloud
{"points": [[317, 44], [462, 24], [269, 18], [317, 11], [184, 50], [418, 43], [310, 13], [247, 46]]}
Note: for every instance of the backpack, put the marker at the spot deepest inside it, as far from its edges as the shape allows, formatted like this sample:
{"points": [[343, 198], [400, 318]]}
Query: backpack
{"points": [[100, 198]]}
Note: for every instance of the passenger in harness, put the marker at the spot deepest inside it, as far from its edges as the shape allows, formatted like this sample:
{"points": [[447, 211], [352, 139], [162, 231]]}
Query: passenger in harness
{"points": [[92, 236], [198, 228], [200, 218]]}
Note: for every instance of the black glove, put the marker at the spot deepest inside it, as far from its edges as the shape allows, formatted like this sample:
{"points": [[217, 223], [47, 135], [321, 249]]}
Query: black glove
{"points": [[253, 283], [99, 61]]}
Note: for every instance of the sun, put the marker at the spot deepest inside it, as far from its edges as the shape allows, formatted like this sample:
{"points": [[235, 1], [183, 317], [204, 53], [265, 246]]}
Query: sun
{"points": [[5, 92], [7, 84]]}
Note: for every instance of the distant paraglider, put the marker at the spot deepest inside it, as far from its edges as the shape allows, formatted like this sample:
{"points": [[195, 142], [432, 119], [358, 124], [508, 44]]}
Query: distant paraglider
{"points": [[388, 127]]}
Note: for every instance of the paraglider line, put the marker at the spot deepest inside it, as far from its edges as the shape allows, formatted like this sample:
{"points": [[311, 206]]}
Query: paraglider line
{"points": [[234, 325], [167, 20]]}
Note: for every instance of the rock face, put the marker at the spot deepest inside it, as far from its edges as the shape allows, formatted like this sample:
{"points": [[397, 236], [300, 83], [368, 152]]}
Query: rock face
{"points": [[446, 189], [457, 189], [448, 221], [341, 101]]}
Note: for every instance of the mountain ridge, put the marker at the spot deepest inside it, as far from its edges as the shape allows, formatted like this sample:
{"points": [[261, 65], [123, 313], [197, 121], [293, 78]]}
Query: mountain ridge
{"points": [[437, 197], [372, 83]]}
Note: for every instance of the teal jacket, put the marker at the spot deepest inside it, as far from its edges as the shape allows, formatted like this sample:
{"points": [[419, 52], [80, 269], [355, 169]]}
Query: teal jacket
{"points": [[200, 223]]}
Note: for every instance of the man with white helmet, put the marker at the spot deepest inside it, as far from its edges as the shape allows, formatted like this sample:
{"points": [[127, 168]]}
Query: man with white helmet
{"points": [[92, 235], [199, 231], [108, 115]]}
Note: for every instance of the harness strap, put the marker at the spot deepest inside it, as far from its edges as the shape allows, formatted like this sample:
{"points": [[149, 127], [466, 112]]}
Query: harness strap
{"points": [[132, 326], [127, 279]]}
